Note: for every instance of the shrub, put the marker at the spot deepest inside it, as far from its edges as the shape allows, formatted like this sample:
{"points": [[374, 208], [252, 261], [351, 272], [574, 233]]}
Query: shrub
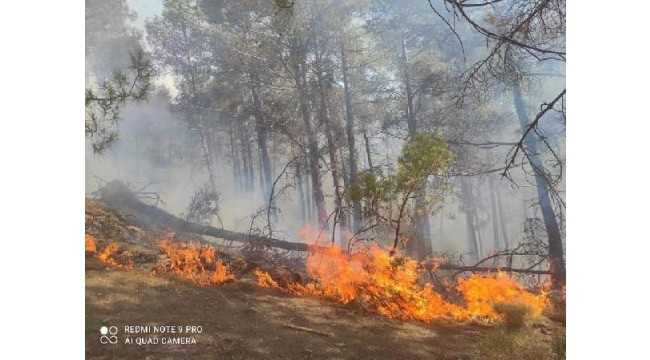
{"points": [[514, 314], [556, 313]]}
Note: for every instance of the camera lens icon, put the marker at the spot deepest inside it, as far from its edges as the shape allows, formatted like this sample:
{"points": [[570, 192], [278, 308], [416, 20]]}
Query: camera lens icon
{"points": [[109, 335]]}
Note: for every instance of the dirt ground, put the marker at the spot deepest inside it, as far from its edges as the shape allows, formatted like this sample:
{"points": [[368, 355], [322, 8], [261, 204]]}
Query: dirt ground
{"points": [[242, 321]]}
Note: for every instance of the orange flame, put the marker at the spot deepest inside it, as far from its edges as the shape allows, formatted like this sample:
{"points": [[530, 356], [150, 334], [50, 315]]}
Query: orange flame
{"points": [[91, 244], [265, 280], [389, 286], [107, 255], [194, 262], [481, 293]]}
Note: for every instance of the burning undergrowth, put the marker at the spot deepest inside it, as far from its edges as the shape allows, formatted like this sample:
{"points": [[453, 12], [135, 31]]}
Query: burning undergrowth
{"points": [[389, 286], [369, 278], [108, 254], [194, 262]]}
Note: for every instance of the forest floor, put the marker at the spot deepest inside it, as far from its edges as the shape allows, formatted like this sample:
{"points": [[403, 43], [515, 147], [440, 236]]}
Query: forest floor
{"points": [[240, 320]]}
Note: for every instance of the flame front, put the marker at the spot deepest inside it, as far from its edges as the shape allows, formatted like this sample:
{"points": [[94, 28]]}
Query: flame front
{"points": [[195, 262], [482, 292], [378, 282], [389, 286]]}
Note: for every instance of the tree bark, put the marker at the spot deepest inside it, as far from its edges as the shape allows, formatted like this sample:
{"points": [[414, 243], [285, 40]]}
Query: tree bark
{"points": [[367, 146], [262, 133], [421, 245], [207, 157], [556, 251], [349, 130], [249, 170], [299, 75], [473, 243], [301, 194], [235, 159], [504, 229], [496, 231], [331, 129]]}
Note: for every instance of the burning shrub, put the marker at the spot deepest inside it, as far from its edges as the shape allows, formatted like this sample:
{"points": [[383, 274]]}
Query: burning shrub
{"points": [[481, 293], [514, 314], [389, 286], [107, 255], [379, 283], [195, 262]]}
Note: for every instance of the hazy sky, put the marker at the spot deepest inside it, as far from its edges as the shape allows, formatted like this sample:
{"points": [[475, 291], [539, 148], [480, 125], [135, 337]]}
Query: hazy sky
{"points": [[145, 9]]}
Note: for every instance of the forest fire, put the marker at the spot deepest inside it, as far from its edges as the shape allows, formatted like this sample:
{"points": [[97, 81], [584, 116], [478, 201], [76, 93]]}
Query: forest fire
{"points": [[91, 244], [296, 176], [195, 262], [389, 286], [107, 255], [481, 293]]}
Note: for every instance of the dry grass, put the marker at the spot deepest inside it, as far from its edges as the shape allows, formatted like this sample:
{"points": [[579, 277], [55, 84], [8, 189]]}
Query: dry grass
{"points": [[502, 344], [556, 313], [514, 314]]}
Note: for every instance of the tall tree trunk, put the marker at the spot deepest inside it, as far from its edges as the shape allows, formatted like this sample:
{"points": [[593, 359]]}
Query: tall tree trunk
{"points": [[331, 129], [367, 146], [262, 133], [477, 220], [504, 229], [300, 73], [346, 184], [236, 169], [207, 157], [406, 77], [338, 189], [349, 130], [309, 203], [244, 161], [468, 202], [556, 251], [261, 172], [214, 143], [442, 221], [496, 231], [301, 194], [249, 170], [422, 245]]}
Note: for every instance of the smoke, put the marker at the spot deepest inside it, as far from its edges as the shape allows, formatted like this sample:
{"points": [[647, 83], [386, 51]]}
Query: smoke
{"points": [[158, 151]]}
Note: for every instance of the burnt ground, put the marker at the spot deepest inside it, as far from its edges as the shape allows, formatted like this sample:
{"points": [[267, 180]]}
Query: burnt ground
{"points": [[241, 320]]}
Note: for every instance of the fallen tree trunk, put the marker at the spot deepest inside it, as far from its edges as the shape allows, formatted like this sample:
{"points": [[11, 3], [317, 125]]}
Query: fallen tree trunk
{"points": [[485, 268], [118, 195]]}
